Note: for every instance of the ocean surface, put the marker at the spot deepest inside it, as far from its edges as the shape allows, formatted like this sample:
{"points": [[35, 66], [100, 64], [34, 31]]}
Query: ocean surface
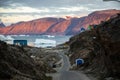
{"points": [[32, 38]]}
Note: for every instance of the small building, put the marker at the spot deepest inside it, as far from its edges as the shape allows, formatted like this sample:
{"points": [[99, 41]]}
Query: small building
{"points": [[20, 42], [82, 29], [79, 61], [94, 26], [90, 27]]}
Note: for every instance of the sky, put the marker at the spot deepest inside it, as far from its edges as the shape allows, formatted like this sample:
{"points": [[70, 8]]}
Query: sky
{"points": [[12, 11]]}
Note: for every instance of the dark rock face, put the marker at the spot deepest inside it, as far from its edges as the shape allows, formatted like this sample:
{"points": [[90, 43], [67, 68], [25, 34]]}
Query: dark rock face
{"points": [[15, 64], [100, 48], [58, 26]]}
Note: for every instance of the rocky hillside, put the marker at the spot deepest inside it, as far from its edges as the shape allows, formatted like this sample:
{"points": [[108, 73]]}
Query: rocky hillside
{"points": [[58, 26], [100, 48], [16, 64]]}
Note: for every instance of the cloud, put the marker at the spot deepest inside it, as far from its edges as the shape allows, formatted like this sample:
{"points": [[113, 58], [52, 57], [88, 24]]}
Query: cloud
{"points": [[69, 5], [8, 19], [73, 8], [51, 3], [19, 10], [23, 10], [16, 17]]}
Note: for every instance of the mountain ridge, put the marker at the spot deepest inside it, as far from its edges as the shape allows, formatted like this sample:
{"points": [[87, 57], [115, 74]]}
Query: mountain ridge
{"points": [[58, 26]]}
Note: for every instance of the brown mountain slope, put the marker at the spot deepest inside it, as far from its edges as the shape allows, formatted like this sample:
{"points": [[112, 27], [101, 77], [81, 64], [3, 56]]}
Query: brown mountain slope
{"points": [[98, 16], [64, 27], [38, 26], [58, 26]]}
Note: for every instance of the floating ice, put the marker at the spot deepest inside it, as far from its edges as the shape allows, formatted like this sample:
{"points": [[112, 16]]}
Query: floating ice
{"points": [[45, 43]]}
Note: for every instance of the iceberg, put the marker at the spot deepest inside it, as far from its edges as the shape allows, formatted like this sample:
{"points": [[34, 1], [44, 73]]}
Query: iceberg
{"points": [[44, 43], [2, 37], [50, 36], [8, 39]]}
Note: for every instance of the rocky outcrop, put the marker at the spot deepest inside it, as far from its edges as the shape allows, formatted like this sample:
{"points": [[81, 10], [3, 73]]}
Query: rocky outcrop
{"points": [[58, 26], [100, 48], [16, 64]]}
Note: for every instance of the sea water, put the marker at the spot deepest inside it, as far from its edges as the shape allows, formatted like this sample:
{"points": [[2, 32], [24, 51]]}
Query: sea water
{"points": [[32, 38]]}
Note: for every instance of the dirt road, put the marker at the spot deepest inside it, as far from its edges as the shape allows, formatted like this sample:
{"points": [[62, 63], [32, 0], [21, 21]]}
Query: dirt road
{"points": [[63, 72]]}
